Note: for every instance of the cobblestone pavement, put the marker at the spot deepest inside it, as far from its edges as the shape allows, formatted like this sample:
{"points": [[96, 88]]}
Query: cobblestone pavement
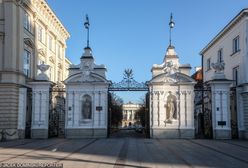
{"points": [[127, 152]]}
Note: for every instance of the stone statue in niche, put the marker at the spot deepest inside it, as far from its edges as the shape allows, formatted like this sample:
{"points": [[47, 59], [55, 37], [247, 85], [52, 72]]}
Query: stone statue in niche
{"points": [[86, 107], [171, 108]]}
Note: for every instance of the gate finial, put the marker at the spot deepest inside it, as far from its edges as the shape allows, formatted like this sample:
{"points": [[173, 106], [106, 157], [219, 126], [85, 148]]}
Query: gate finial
{"points": [[87, 26], [171, 24]]}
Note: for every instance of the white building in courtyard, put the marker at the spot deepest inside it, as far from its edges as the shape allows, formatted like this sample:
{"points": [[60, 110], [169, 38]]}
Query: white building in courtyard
{"points": [[129, 115]]}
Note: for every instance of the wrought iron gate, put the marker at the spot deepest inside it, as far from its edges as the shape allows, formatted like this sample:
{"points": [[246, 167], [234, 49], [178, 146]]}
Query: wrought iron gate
{"points": [[203, 113], [130, 84], [233, 110], [57, 112]]}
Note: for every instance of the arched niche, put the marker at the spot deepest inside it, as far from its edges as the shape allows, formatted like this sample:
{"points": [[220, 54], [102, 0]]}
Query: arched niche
{"points": [[86, 107]]}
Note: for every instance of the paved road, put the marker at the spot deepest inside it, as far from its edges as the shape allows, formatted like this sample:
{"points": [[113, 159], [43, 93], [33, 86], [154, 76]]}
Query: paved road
{"points": [[127, 152], [124, 133]]}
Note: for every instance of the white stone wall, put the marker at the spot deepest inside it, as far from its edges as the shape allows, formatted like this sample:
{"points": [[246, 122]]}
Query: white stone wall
{"points": [[99, 95], [185, 106]]}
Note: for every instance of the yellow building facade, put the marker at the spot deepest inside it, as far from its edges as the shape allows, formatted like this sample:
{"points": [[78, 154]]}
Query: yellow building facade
{"points": [[30, 34]]}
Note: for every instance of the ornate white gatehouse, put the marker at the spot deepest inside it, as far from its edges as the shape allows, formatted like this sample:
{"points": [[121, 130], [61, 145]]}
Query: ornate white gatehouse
{"points": [[171, 99], [87, 96]]}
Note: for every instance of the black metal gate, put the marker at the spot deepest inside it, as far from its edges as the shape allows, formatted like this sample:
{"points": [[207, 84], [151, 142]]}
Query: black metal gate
{"points": [[203, 113], [233, 110], [129, 84], [57, 112], [28, 122]]}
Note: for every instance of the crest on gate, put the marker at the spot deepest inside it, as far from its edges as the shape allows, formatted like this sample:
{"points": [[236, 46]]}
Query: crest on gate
{"points": [[128, 83]]}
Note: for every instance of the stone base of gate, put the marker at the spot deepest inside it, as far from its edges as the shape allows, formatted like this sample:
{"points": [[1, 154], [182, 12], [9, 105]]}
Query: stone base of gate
{"points": [[242, 134], [172, 133], [21, 133], [222, 134], [39, 133], [245, 135], [86, 133], [9, 134]]}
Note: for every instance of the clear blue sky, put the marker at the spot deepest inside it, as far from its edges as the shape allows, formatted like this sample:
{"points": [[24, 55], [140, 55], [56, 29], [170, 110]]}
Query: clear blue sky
{"points": [[135, 33]]}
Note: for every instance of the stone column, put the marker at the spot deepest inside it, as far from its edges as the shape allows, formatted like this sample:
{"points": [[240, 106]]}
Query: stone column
{"points": [[103, 112], [40, 109], [155, 110], [162, 110], [221, 109], [76, 107], [35, 54]]}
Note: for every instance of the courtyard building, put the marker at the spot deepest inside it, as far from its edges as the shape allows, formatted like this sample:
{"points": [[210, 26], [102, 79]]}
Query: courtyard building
{"points": [[229, 49], [129, 113], [30, 35]]}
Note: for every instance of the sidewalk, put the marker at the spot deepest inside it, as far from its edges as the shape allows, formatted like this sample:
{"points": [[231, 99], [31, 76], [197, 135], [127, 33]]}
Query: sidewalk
{"points": [[127, 152]]}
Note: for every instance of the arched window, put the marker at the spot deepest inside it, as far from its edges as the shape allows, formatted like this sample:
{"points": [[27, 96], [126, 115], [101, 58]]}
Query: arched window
{"points": [[86, 107]]}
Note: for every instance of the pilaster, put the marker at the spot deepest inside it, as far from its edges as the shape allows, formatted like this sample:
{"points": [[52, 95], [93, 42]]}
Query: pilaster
{"points": [[221, 109], [40, 109]]}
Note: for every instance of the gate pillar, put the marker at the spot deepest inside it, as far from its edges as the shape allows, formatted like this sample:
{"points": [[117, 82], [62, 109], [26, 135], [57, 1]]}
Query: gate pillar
{"points": [[40, 104], [220, 96]]}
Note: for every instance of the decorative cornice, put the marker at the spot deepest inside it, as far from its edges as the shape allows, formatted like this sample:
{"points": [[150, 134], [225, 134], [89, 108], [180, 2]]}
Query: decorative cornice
{"points": [[51, 59], [226, 29], [42, 9], [29, 42], [59, 65], [67, 60], [41, 51]]}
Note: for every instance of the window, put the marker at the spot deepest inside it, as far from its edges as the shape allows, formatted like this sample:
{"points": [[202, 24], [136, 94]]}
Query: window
{"points": [[26, 63], [59, 51], [50, 43], [220, 56], [236, 44], [40, 34], [27, 22], [208, 64], [236, 75]]}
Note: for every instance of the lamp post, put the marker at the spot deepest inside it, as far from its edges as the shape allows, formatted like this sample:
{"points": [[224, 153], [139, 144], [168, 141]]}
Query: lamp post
{"points": [[87, 26], [171, 24]]}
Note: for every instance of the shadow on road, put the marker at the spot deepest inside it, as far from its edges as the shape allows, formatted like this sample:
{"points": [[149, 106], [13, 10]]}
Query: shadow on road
{"points": [[131, 133]]}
